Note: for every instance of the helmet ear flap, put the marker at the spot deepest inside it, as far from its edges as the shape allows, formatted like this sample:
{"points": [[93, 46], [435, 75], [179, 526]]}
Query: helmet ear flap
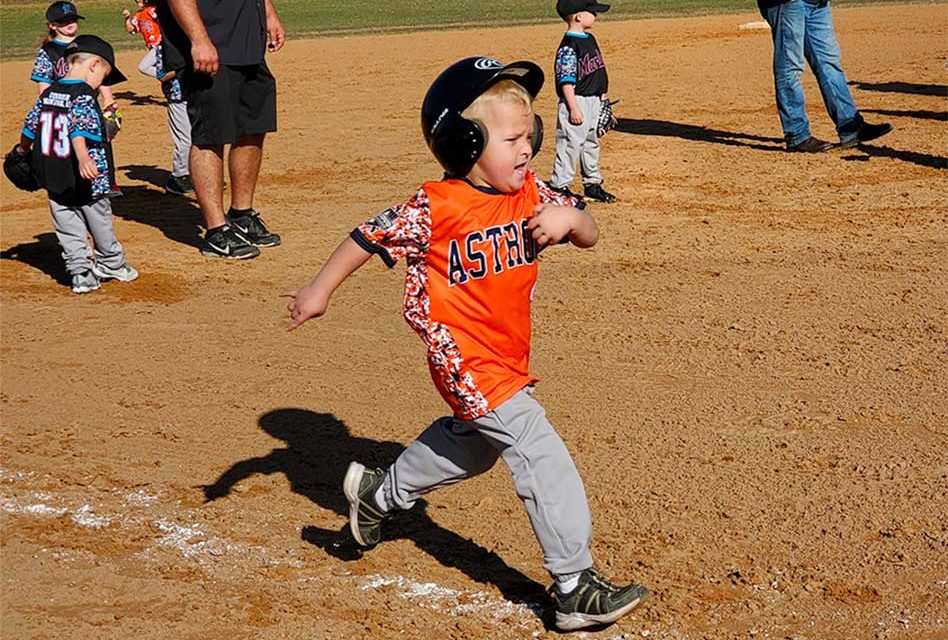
{"points": [[537, 134], [457, 143]]}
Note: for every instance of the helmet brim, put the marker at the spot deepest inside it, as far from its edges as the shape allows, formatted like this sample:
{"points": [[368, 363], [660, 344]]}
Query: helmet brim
{"points": [[525, 73]]}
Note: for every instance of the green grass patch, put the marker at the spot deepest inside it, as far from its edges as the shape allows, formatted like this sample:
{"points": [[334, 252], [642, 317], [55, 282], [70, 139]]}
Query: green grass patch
{"points": [[22, 25]]}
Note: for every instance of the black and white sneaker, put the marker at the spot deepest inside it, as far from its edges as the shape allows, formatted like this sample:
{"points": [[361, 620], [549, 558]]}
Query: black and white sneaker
{"points": [[179, 185], [251, 226], [596, 192], [365, 514], [565, 191], [224, 242], [594, 602]]}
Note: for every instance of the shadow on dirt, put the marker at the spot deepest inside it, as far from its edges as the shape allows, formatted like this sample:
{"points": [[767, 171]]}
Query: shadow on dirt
{"points": [[940, 90], [922, 114], [698, 133], [177, 217], [138, 100], [319, 449], [43, 255], [914, 157]]}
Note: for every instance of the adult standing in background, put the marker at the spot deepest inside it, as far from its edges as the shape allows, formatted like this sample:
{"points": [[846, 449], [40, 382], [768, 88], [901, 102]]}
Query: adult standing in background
{"points": [[219, 49], [803, 30]]}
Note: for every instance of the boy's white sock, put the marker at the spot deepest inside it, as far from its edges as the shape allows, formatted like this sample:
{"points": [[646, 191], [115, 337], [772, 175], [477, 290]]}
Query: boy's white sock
{"points": [[566, 582]]}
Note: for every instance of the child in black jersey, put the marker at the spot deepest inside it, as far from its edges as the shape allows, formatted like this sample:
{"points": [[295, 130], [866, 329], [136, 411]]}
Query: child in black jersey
{"points": [[72, 159], [581, 84]]}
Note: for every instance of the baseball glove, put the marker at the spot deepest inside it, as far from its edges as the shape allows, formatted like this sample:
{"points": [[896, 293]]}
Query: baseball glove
{"points": [[113, 123], [19, 169], [607, 120]]}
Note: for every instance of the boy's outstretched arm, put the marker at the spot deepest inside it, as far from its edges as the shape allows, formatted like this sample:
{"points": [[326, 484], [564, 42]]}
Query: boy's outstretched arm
{"points": [[312, 300]]}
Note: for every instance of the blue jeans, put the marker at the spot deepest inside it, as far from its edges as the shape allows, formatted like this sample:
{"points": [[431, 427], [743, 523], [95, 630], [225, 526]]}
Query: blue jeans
{"points": [[805, 31]]}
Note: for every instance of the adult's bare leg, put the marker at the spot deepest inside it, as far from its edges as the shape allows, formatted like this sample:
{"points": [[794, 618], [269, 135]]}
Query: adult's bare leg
{"points": [[244, 164], [207, 175]]}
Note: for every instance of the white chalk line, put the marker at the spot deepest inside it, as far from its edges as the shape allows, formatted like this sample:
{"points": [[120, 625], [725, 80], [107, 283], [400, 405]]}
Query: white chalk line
{"points": [[194, 543]]}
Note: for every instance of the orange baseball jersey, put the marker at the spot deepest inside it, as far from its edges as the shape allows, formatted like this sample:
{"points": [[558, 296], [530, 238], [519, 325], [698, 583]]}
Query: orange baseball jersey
{"points": [[146, 21], [472, 265]]}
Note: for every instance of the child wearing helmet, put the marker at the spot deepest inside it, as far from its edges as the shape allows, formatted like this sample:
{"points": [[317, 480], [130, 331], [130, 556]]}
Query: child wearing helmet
{"points": [[471, 242]]}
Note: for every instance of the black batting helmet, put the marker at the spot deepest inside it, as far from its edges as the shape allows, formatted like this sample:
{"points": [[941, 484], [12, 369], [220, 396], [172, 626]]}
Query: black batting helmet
{"points": [[458, 142]]}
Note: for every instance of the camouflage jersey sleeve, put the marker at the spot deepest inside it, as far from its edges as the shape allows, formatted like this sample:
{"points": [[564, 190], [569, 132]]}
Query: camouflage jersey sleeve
{"points": [[42, 68], [549, 196], [403, 231]]}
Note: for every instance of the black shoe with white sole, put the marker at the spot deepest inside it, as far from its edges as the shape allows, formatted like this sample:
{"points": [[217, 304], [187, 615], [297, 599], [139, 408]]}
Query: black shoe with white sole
{"points": [[250, 225], [365, 514], [225, 242], [594, 602], [596, 192]]}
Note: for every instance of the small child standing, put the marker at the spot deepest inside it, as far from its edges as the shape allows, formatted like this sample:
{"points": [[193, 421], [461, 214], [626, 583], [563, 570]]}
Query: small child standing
{"points": [[471, 241], [72, 160], [50, 65], [145, 22], [581, 85], [179, 126]]}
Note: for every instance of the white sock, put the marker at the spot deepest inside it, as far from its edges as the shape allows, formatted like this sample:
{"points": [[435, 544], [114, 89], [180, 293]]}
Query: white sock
{"points": [[566, 582]]}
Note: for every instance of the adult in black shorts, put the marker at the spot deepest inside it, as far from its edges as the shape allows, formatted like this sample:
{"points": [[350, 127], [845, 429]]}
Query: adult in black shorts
{"points": [[218, 48]]}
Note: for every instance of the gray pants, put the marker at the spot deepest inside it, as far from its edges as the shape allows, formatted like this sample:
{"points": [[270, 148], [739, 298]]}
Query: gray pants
{"points": [[577, 143], [148, 64], [544, 475], [74, 225], [180, 129]]}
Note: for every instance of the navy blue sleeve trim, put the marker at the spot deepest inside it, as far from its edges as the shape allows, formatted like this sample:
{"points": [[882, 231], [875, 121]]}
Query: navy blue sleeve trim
{"points": [[581, 205], [361, 240]]}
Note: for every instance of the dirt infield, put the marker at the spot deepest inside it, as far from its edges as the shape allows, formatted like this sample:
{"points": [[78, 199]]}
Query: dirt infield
{"points": [[750, 367]]}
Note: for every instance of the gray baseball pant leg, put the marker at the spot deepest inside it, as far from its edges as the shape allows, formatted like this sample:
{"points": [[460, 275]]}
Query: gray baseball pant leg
{"points": [[589, 158], [577, 144], [148, 64], [545, 477], [179, 126], [73, 236], [73, 226]]}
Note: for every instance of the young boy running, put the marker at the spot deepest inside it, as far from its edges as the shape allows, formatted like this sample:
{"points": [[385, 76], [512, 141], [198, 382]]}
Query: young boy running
{"points": [[471, 242]]}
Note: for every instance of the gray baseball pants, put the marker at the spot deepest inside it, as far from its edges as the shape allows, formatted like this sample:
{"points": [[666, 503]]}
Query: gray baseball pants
{"points": [[179, 126], [74, 225], [577, 143], [148, 64], [544, 475]]}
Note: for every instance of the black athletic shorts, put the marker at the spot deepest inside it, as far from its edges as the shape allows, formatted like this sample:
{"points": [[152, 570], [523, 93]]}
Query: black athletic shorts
{"points": [[238, 101]]}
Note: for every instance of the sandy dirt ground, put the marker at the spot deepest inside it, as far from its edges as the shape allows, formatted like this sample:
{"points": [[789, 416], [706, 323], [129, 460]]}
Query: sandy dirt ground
{"points": [[749, 368]]}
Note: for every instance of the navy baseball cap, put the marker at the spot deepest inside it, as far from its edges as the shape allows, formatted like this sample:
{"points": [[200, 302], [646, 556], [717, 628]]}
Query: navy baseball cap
{"points": [[62, 13], [569, 7], [97, 46]]}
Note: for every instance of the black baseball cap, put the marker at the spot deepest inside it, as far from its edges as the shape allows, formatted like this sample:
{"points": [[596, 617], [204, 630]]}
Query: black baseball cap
{"points": [[62, 13], [569, 7], [97, 46]]}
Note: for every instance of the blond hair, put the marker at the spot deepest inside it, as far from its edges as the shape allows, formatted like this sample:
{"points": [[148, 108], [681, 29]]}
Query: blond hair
{"points": [[506, 91], [80, 57]]}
